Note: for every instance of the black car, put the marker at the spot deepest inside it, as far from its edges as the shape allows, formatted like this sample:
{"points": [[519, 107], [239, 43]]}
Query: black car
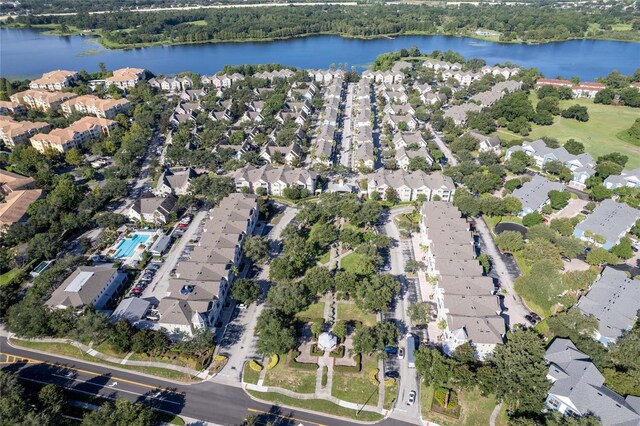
{"points": [[392, 374]]}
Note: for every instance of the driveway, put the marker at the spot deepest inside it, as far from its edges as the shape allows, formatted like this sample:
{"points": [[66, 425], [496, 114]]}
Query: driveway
{"points": [[442, 146], [572, 209], [505, 270], [237, 340]]}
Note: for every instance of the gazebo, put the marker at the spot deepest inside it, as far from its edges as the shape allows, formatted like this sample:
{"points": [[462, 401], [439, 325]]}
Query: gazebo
{"points": [[327, 341]]}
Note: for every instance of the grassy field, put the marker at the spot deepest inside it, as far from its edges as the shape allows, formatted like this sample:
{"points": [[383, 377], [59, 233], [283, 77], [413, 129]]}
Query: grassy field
{"points": [[349, 261], [318, 405], [356, 387], [293, 379], [599, 134], [390, 395], [71, 351], [475, 408], [250, 376], [9, 276], [313, 312], [350, 312]]}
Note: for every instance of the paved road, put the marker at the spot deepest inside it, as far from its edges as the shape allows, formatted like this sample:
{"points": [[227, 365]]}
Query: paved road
{"points": [[207, 401], [442, 146], [506, 271]]}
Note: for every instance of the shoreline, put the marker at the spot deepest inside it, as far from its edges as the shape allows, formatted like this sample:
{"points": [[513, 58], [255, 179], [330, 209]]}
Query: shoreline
{"points": [[102, 41]]}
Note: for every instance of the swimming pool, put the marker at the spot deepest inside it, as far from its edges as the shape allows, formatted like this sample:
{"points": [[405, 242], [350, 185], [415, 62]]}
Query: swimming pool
{"points": [[128, 246]]}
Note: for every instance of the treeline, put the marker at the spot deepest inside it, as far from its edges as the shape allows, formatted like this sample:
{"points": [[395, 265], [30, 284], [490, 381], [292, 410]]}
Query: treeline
{"points": [[542, 23]]}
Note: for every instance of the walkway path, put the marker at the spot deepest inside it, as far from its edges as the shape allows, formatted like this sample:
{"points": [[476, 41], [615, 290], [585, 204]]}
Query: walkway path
{"points": [[494, 414]]}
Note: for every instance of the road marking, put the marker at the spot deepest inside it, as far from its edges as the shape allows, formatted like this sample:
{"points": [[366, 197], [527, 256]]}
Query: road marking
{"points": [[91, 373], [284, 417]]}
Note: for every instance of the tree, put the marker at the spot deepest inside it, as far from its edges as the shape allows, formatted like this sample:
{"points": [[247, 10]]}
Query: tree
{"points": [[482, 183], [122, 412], [51, 399], [418, 163], [550, 104], [518, 162], [340, 330], [346, 282], [371, 339], [419, 313], [316, 327], [433, 366], [558, 200], [532, 218], [615, 157], [256, 248], [624, 249], [390, 195], [245, 291], [13, 403], [599, 192], [574, 147], [521, 371], [73, 157], [557, 168], [576, 112], [376, 294], [510, 241], [121, 334], [512, 184], [605, 97], [539, 249], [212, 188], [599, 256], [289, 298], [318, 280], [275, 333]]}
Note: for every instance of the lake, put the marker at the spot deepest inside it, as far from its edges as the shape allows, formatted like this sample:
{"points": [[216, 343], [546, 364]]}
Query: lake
{"points": [[28, 53]]}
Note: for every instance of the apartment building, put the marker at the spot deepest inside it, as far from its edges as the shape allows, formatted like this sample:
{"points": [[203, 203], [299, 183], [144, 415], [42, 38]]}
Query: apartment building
{"points": [[14, 132], [411, 186], [125, 78], [18, 193], [273, 180], [10, 107], [41, 100], [89, 104], [83, 130], [54, 80]]}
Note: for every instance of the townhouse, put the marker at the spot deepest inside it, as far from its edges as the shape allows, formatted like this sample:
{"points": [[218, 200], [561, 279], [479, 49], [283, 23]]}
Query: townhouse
{"points": [[465, 299], [198, 292], [404, 156], [614, 301], [14, 132], [175, 182], [323, 146], [441, 65], [390, 77], [609, 222], [41, 100], [83, 130], [505, 72], [582, 165], [587, 89], [458, 113], [628, 178], [18, 193], [430, 98], [410, 186], [408, 139], [274, 75], [553, 82], [273, 180], [462, 77], [534, 194], [171, 84], [578, 388], [152, 209], [221, 81], [289, 155], [365, 155], [486, 143], [89, 104], [125, 78], [395, 122], [325, 76], [54, 80]]}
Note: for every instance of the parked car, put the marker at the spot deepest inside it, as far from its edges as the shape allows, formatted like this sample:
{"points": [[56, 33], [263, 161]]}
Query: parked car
{"points": [[412, 398], [391, 350], [401, 353], [392, 374]]}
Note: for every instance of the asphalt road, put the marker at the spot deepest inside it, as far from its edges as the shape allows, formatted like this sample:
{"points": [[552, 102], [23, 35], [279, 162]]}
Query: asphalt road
{"points": [[211, 402]]}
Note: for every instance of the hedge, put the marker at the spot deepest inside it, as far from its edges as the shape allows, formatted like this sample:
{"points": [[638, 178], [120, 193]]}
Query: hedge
{"points": [[325, 371], [315, 351], [300, 365], [338, 352], [373, 376], [273, 361], [389, 382], [255, 366], [349, 369]]}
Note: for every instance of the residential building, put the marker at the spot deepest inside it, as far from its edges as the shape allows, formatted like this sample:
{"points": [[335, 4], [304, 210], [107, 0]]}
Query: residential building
{"points": [[365, 155], [578, 388], [288, 154], [534, 194], [221, 81], [171, 84], [614, 300], [10, 107], [17, 193], [394, 121], [407, 139], [553, 82], [433, 98], [274, 75], [83, 130], [587, 89], [404, 156], [628, 178], [41, 100], [458, 113], [125, 78], [505, 72], [273, 180], [175, 182], [14, 132], [54, 80], [88, 285], [152, 209], [132, 309], [609, 222], [89, 104], [441, 65], [486, 143], [409, 186]]}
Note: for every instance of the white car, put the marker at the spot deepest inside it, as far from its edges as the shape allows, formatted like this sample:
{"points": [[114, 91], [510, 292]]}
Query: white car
{"points": [[412, 397], [401, 353]]}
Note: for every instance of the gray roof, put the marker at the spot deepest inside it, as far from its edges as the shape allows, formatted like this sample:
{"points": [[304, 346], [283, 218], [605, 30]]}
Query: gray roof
{"points": [[459, 112], [479, 330], [575, 378], [610, 220], [131, 309], [83, 286], [418, 179], [492, 141], [614, 300], [473, 306], [470, 286], [534, 194]]}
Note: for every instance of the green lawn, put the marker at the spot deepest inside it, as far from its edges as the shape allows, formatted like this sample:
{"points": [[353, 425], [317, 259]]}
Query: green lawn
{"points": [[319, 405], [492, 221], [349, 262], [475, 408], [250, 376], [294, 379], [599, 134], [8, 277], [390, 395], [325, 258], [350, 312], [356, 387], [71, 351], [313, 312]]}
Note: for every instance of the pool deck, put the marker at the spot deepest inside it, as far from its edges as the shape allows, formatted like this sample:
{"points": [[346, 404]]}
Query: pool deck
{"points": [[133, 255]]}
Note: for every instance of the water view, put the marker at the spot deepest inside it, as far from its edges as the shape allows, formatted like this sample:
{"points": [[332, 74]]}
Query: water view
{"points": [[28, 53]]}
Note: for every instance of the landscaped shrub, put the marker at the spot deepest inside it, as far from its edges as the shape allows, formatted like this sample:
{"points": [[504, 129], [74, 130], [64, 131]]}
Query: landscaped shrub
{"points": [[389, 382], [373, 377], [325, 371], [220, 358], [338, 352], [300, 365], [316, 351], [273, 361], [439, 400], [255, 366], [350, 369]]}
